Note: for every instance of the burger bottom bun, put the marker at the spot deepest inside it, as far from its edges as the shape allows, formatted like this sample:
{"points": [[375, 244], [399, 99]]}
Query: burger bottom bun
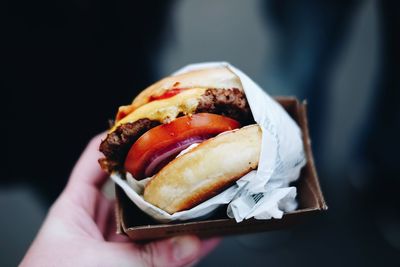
{"points": [[206, 170]]}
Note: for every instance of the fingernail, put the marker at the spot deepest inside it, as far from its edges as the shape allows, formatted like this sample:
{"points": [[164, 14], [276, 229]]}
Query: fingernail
{"points": [[184, 247]]}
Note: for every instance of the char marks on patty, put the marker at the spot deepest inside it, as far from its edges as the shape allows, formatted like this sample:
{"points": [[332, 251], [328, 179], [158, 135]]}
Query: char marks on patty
{"points": [[231, 103], [117, 144]]}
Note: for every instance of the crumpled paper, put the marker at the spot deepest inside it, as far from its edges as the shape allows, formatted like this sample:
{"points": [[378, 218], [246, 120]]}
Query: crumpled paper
{"points": [[263, 193]]}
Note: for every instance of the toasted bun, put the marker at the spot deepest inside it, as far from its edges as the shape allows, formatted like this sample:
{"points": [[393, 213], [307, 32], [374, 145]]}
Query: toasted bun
{"points": [[206, 78], [206, 170], [219, 78]]}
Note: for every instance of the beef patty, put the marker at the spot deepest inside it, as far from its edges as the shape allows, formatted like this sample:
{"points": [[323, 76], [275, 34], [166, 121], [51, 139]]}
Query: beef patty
{"points": [[228, 102]]}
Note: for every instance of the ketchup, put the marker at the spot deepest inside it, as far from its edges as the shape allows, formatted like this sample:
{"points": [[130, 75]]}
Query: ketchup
{"points": [[167, 94]]}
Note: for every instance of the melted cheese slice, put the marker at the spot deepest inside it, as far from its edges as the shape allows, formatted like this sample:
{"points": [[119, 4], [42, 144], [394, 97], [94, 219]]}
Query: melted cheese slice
{"points": [[165, 110]]}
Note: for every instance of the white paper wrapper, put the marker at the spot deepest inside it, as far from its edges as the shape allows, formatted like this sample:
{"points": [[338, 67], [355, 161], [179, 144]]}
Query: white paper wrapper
{"points": [[264, 193]]}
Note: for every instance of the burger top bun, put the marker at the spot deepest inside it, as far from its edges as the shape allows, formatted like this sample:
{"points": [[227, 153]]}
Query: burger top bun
{"points": [[205, 170], [205, 78]]}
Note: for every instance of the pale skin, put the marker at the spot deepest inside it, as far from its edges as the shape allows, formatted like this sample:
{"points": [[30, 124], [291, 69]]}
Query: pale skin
{"points": [[80, 229]]}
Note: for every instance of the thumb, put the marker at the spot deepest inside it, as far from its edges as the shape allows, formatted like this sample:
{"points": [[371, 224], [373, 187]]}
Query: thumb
{"points": [[177, 251]]}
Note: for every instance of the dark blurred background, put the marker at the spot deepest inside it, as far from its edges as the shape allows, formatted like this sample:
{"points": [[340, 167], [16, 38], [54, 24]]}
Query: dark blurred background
{"points": [[66, 66]]}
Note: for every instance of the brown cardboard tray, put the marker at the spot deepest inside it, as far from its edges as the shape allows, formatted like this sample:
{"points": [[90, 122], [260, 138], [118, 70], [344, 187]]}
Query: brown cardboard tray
{"points": [[139, 226]]}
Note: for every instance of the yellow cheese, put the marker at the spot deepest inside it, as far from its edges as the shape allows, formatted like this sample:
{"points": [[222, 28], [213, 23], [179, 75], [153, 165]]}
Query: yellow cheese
{"points": [[165, 110]]}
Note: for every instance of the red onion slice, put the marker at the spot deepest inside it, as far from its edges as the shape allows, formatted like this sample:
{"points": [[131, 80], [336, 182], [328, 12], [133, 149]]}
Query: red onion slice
{"points": [[163, 157]]}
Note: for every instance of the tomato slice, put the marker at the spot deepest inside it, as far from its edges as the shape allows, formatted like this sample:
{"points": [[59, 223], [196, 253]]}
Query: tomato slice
{"points": [[158, 146]]}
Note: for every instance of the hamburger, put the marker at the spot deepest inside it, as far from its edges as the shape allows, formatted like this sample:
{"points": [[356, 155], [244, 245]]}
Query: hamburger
{"points": [[192, 133]]}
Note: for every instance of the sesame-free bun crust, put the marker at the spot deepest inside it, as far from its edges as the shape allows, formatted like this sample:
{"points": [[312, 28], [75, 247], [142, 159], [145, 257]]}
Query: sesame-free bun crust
{"points": [[220, 77], [206, 170]]}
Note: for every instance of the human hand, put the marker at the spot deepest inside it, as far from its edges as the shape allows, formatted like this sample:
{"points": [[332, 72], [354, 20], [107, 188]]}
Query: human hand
{"points": [[80, 229]]}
